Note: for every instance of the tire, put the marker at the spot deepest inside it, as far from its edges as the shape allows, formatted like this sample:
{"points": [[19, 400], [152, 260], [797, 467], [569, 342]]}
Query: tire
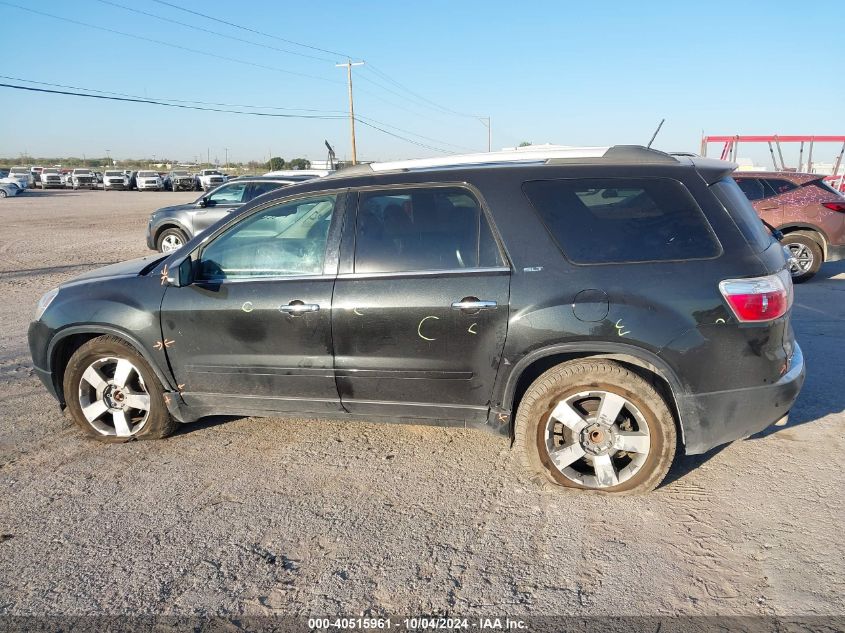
{"points": [[168, 238], [100, 359], [2, 193], [809, 254], [571, 392]]}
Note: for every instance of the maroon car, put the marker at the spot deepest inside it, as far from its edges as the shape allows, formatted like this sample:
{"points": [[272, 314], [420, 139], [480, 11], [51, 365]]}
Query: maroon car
{"points": [[809, 212]]}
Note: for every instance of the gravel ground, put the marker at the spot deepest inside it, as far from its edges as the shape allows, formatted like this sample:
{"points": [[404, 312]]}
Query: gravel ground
{"points": [[277, 516]]}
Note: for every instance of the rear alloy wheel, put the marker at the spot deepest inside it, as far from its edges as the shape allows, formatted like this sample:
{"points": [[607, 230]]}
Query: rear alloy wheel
{"points": [[595, 425], [2, 193], [112, 393], [807, 255], [171, 240]]}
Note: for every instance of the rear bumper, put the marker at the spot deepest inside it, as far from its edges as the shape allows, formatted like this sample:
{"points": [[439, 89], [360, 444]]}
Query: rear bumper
{"points": [[725, 416]]}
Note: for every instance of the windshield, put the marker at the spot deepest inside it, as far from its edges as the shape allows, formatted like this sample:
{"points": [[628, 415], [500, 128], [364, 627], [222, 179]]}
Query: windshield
{"points": [[114, 173], [50, 171], [19, 170], [211, 172], [148, 174], [180, 173], [83, 172]]}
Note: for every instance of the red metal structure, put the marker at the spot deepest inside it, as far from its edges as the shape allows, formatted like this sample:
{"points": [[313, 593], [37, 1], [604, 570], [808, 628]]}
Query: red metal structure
{"points": [[731, 144]]}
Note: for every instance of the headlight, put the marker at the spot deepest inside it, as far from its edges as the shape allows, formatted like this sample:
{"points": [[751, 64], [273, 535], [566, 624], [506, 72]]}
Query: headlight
{"points": [[44, 302]]}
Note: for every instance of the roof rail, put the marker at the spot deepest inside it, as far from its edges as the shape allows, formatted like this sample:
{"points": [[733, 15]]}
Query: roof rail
{"points": [[486, 158], [549, 155]]}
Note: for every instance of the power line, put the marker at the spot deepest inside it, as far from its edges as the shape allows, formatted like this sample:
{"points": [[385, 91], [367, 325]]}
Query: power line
{"points": [[172, 105], [407, 140], [178, 46], [381, 73], [245, 28], [362, 120], [217, 33], [208, 103]]}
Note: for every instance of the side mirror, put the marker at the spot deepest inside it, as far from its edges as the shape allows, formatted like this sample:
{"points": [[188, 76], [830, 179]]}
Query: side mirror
{"points": [[181, 273], [202, 202]]}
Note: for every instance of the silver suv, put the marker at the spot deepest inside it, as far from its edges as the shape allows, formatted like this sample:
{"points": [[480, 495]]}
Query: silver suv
{"points": [[170, 228]]}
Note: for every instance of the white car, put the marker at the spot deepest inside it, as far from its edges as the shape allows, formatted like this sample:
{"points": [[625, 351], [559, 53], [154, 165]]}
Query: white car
{"points": [[114, 179], [23, 176], [82, 178], [210, 178], [149, 180], [51, 177]]}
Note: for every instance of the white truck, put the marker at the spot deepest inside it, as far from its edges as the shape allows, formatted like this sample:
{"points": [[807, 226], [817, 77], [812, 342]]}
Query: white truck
{"points": [[210, 178], [23, 175], [149, 180], [51, 177], [114, 179], [82, 178]]}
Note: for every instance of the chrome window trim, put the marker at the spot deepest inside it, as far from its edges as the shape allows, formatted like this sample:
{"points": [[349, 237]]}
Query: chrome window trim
{"points": [[428, 273]]}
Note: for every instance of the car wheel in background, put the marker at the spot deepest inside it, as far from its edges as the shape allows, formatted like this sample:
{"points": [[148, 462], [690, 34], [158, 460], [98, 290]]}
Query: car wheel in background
{"points": [[113, 394], [807, 254], [2, 193], [170, 240], [595, 425]]}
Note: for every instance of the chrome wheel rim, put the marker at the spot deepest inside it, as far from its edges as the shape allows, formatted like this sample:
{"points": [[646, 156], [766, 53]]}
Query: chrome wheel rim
{"points": [[171, 243], [803, 258], [113, 397], [597, 439]]}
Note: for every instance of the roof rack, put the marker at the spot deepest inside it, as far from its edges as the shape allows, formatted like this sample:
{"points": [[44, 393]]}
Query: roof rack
{"points": [[522, 155]]}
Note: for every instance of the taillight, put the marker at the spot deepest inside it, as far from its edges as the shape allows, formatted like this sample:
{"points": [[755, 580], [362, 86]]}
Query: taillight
{"points": [[835, 206], [758, 299]]}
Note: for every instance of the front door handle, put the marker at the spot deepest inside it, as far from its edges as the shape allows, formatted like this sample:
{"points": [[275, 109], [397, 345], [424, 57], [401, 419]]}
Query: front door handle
{"points": [[471, 303], [295, 308]]}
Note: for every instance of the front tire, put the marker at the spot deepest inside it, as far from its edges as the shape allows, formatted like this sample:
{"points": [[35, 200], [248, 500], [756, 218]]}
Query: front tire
{"points": [[595, 425], [170, 240], [113, 395], [808, 254]]}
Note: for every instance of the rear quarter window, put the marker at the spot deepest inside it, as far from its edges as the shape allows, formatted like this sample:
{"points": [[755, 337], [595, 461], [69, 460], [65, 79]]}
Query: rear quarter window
{"points": [[614, 220], [743, 214]]}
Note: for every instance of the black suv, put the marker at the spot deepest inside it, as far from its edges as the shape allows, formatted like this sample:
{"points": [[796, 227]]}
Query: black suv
{"points": [[599, 306]]}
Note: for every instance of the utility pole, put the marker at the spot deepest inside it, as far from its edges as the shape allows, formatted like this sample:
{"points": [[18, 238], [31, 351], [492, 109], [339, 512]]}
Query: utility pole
{"points": [[227, 157], [487, 122], [349, 64]]}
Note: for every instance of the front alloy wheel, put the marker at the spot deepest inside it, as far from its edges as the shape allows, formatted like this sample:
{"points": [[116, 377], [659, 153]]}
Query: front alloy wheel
{"points": [[113, 394], [113, 397]]}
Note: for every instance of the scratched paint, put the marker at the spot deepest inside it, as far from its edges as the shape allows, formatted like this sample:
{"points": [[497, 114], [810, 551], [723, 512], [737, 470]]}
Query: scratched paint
{"points": [[620, 328], [162, 344], [164, 275], [419, 328], [471, 329]]}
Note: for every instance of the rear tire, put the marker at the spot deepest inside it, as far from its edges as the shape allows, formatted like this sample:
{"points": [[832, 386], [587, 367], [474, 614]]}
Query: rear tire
{"points": [[564, 438], [809, 254], [113, 395]]}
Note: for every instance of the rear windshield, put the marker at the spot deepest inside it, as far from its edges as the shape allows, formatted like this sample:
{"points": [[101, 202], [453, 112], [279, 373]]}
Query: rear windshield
{"points": [[743, 214], [821, 184], [605, 220]]}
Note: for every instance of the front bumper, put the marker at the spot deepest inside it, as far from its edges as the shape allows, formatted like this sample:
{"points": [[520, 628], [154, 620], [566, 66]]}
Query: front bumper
{"points": [[149, 187], [115, 185], [732, 414], [835, 252]]}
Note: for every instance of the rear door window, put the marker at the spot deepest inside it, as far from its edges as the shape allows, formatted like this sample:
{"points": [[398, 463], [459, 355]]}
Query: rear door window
{"points": [[422, 228], [604, 220], [260, 188], [780, 186]]}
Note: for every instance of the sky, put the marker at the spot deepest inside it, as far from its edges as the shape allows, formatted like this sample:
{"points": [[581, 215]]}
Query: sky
{"points": [[570, 73]]}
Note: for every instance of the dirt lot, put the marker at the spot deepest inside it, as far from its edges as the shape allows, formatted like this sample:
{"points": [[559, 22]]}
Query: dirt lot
{"points": [[267, 516]]}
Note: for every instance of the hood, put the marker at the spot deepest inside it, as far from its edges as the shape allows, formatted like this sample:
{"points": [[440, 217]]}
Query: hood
{"points": [[131, 268], [176, 208]]}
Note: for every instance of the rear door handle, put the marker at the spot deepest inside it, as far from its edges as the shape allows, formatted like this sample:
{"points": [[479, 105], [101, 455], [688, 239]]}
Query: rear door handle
{"points": [[295, 308], [470, 303]]}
